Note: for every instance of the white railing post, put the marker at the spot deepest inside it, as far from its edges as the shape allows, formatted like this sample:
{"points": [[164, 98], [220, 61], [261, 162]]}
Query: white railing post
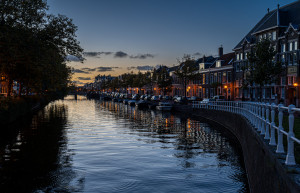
{"points": [[290, 158], [267, 135], [259, 118], [256, 115], [263, 105], [273, 140], [280, 148]]}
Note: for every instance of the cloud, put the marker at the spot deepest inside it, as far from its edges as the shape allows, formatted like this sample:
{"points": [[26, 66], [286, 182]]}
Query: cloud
{"points": [[96, 54], [105, 69], [142, 56], [80, 71], [72, 58], [89, 69], [84, 78], [197, 54], [77, 82], [120, 54], [141, 68]]}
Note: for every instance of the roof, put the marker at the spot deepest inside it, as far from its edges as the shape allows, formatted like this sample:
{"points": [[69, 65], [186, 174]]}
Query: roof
{"points": [[226, 60], [281, 17]]}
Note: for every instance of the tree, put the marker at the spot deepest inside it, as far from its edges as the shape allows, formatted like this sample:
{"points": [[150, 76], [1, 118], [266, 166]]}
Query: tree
{"points": [[187, 71], [262, 67], [34, 45], [164, 81]]}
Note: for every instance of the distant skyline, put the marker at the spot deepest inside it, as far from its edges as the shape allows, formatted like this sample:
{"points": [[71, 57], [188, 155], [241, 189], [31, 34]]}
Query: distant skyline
{"points": [[120, 36]]}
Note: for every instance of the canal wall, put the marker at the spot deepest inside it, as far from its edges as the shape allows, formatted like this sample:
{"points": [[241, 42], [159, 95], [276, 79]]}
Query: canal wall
{"points": [[265, 172], [13, 109]]}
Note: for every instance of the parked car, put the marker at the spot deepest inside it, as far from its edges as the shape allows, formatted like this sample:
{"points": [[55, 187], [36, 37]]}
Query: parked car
{"points": [[207, 101], [181, 100], [167, 98], [194, 98], [219, 98], [155, 98]]}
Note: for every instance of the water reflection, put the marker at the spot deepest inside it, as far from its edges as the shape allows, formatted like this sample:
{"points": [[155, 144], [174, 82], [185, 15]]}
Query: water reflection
{"points": [[94, 146], [189, 138], [37, 158]]}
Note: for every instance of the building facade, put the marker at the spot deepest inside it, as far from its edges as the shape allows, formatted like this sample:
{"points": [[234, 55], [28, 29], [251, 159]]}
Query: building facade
{"points": [[281, 27]]}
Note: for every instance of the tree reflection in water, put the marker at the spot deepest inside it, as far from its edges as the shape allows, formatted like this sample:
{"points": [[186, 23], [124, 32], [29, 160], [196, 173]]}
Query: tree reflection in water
{"points": [[36, 158], [190, 138]]}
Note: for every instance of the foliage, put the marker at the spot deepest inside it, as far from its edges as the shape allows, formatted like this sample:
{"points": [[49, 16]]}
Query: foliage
{"points": [[187, 71], [34, 46], [164, 80], [261, 67]]}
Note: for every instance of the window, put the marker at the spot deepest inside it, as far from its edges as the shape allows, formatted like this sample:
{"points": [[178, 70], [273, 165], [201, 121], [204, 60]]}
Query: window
{"points": [[206, 78], [290, 80], [215, 77], [237, 57], [203, 79], [291, 46], [218, 64], [295, 58], [224, 77], [282, 48], [241, 56], [265, 36], [229, 76], [283, 80], [283, 58], [219, 77], [269, 36], [296, 45], [274, 35]]}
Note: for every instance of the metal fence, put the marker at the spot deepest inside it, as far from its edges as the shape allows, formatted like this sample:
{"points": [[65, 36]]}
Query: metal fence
{"points": [[258, 115]]}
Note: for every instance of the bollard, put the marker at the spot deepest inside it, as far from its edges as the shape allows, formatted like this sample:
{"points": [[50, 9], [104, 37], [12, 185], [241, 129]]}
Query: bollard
{"points": [[267, 135], [272, 139], [280, 148], [290, 158]]}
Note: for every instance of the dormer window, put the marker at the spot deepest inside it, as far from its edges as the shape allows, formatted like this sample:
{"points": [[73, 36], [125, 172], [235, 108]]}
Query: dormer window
{"points": [[219, 62]]}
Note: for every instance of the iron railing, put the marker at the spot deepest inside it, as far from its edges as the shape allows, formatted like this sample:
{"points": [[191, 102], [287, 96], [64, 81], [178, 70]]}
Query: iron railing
{"points": [[258, 114]]}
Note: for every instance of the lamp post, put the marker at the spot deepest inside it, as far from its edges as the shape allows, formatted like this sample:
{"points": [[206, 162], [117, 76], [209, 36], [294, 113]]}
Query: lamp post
{"points": [[296, 94], [225, 89]]}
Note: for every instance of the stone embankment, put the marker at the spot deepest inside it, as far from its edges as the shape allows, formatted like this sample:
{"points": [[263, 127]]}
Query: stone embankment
{"points": [[265, 171]]}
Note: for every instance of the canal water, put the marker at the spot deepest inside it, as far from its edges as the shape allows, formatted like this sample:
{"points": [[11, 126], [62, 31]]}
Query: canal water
{"points": [[96, 146]]}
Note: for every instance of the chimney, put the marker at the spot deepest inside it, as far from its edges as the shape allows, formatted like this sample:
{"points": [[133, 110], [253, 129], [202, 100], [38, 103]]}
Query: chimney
{"points": [[220, 51]]}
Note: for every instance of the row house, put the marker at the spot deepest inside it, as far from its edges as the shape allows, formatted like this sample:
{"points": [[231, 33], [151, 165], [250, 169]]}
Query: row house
{"points": [[281, 26], [217, 79]]}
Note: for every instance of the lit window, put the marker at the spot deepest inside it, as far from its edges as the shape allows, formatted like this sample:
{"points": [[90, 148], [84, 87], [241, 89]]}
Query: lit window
{"points": [[241, 56], [237, 57], [296, 45]]}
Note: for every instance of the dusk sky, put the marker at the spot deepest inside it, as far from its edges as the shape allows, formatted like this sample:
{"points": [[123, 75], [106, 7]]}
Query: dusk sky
{"points": [[124, 35]]}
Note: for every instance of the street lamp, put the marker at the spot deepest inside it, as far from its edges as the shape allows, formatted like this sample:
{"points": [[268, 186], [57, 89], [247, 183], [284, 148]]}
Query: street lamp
{"points": [[296, 94]]}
